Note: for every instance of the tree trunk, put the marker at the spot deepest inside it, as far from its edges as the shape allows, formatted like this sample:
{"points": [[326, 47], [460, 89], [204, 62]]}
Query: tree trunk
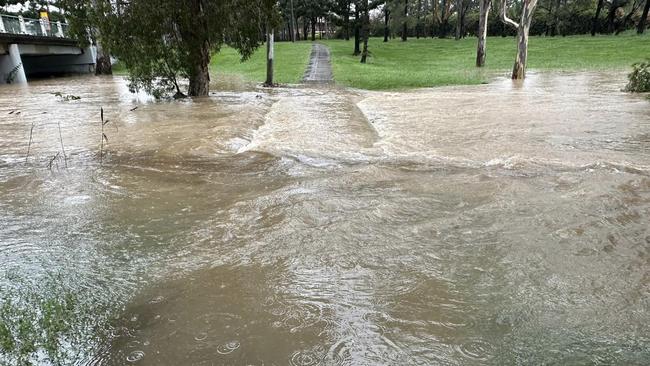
{"points": [[357, 37], [444, 20], [297, 25], [346, 21], [463, 29], [548, 25], [519, 69], [269, 58], [611, 16], [417, 24], [293, 24], [386, 19], [523, 28], [594, 24], [305, 27], [644, 17], [199, 56], [103, 62], [425, 10], [313, 29], [628, 17], [405, 25], [484, 12], [459, 18], [200, 72], [366, 31]]}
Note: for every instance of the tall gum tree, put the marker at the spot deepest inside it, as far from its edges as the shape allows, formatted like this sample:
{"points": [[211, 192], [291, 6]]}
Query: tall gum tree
{"points": [[484, 11], [523, 28]]}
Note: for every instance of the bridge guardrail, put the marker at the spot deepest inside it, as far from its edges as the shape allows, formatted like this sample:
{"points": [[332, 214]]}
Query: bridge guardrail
{"points": [[33, 27]]}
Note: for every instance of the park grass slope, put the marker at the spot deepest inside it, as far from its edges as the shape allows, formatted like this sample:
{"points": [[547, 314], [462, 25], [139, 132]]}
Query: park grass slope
{"points": [[291, 59], [435, 62]]}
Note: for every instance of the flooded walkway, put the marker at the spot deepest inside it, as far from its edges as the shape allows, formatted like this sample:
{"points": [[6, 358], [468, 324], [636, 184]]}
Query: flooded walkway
{"points": [[319, 70], [324, 226]]}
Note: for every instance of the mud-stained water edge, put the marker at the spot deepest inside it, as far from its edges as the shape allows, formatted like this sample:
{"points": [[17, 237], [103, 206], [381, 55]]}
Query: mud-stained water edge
{"points": [[495, 224]]}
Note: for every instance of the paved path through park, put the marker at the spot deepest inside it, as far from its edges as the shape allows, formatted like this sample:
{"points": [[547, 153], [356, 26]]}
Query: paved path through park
{"points": [[319, 70]]}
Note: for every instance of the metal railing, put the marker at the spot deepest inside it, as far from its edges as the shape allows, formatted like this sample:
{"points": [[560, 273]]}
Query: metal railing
{"points": [[32, 27]]}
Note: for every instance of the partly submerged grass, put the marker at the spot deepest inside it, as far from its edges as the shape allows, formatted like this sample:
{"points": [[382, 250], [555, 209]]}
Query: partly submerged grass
{"points": [[433, 62], [290, 62]]}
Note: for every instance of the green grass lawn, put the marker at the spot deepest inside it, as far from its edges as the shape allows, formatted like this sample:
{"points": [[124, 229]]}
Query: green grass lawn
{"points": [[433, 62], [290, 62]]}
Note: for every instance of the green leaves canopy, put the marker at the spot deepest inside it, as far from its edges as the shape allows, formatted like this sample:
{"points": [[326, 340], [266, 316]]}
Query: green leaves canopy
{"points": [[160, 41]]}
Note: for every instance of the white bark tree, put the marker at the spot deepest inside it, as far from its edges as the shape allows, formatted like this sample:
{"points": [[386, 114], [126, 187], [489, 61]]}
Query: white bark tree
{"points": [[523, 28], [484, 11]]}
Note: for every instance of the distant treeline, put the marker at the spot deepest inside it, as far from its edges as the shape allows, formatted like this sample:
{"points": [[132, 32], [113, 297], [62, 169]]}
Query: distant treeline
{"points": [[440, 18]]}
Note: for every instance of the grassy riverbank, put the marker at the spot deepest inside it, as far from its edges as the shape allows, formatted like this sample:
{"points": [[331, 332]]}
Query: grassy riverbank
{"points": [[290, 62], [434, 62]]}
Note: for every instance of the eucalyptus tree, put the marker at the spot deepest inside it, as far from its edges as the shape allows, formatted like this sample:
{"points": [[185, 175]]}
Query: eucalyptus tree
{"points": [[484, 12], [523, 29]]}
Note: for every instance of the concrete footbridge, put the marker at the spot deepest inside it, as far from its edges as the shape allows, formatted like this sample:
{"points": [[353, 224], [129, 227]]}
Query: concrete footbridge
{"points": [[38, 47]]}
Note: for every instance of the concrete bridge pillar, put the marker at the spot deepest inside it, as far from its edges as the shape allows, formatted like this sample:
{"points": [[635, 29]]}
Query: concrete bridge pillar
{"points": [[11, 67]]}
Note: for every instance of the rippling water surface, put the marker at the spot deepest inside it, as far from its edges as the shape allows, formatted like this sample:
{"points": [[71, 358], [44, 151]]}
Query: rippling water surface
{"points": [[494, 224]]}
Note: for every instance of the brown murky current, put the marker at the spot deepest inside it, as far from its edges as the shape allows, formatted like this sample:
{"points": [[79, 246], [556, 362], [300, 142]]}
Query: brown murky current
{"points": [[494, 224]]}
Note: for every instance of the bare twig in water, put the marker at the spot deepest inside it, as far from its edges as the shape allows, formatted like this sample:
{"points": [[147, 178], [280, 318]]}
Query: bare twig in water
{"points": [[52, 161], [65, 157], [29, 147], [134, 108], [101, 145], [104, 137]]}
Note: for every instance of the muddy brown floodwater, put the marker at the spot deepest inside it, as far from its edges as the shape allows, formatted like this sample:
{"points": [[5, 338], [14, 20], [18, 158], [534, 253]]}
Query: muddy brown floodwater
{"points": [[475, 225]]}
